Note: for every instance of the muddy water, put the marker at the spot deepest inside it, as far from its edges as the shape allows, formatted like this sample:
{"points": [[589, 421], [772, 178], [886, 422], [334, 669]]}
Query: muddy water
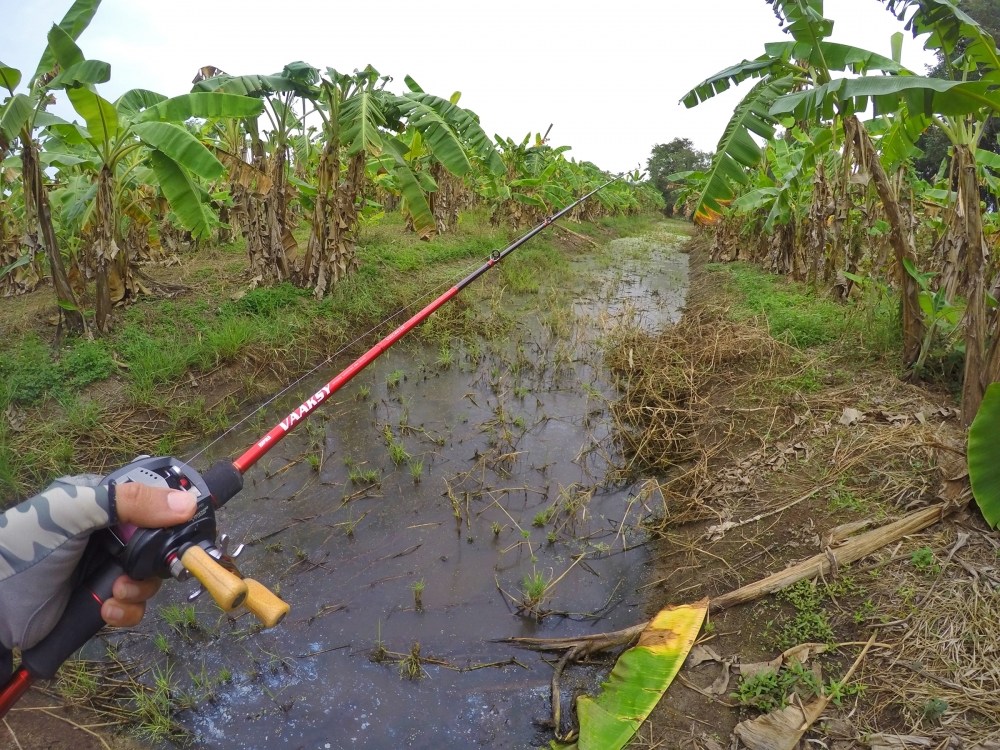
{"points": [[508, 446]]}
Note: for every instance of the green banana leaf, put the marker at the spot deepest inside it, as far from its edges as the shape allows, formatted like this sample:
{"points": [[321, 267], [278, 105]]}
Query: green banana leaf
{"points": [[463, 121], [202, 104], [408, 184], [134, 101], [640, 677], [64, 47], [441, 139], [9, 77], [922, 96], [182, 147], [77, 18], [737, 150], [984, 455], [360, 120], [100, 114], [183, 195], [86, 72], [14, 116]]}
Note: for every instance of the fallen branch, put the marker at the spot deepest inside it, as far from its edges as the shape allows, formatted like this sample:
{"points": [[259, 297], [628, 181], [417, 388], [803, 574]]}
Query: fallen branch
{"points": [[830, 559]]}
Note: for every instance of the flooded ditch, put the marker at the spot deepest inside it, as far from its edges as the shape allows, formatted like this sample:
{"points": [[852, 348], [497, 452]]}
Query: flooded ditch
{"points": [[448, 497]]}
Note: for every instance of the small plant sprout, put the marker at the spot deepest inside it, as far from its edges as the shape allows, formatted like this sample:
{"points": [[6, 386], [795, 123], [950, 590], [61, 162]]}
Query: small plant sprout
{"points": [[363, 477], [410, 666], [394, 378], [418, 595], [416, 470], [923, 559], [161, 643], [543, 516], [364, 392], [397, 452], [379, 653], [533, 588], [314, 461], [446, 358], [351, 524], [496, 527], [180, 617]]}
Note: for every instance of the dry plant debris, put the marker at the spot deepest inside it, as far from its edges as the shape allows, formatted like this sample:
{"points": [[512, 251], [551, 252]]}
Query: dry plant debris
{"points": [[756, 474]]}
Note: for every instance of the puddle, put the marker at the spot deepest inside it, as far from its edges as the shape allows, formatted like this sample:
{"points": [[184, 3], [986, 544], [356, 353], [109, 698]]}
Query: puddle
{"points": [[506, 452]]}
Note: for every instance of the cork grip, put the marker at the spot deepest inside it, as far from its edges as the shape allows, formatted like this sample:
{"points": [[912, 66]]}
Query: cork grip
{"points": [[228, 590], [266, 605]]}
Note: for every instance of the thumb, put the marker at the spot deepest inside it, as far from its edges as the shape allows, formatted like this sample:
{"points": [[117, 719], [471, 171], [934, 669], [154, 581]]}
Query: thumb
{"points": [[152, 507]]}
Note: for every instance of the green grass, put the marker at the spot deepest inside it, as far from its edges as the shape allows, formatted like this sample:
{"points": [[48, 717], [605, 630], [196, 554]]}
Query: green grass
{"points": [[31, 371], [805, 319]]}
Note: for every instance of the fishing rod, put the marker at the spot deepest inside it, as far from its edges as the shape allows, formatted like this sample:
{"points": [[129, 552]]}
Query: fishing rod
{"points": [[191, 549]]}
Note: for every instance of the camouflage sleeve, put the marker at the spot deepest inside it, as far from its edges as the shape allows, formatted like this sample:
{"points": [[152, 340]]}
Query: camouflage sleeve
{"points": [[41, 543]]}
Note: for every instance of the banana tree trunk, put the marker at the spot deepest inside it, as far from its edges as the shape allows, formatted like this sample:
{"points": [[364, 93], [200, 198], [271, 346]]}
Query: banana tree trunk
{"points": [[105, 253], [261, 213], [332, 253], [981, 366], [900, 237], [816, 228], [39, 215], [444, 202]]}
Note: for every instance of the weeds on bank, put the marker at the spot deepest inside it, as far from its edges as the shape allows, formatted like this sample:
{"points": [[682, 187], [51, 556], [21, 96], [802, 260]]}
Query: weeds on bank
{"points": [[770, 689], [806, 319], [145, 700], [809, 623]]}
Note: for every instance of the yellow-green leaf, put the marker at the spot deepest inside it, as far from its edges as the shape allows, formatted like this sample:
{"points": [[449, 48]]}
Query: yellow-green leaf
{"points": [[639, 679]]}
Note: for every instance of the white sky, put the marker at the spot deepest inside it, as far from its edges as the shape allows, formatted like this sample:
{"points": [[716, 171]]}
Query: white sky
{"points": [[608, 77]]}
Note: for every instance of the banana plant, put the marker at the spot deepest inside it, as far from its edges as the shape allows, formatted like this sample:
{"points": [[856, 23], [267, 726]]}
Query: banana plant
{"points": [[960, 107], [797, 85], [21, 115], [260, 183], [447, 142], [112, 132]]}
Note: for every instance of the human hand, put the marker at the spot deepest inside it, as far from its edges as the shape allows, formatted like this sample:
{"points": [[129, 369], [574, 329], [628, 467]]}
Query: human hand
{"points": [[147, 507], [43, 539]]}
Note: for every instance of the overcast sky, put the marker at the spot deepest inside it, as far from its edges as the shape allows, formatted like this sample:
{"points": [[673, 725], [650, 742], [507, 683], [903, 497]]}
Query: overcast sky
{"points": [[608, 76]]}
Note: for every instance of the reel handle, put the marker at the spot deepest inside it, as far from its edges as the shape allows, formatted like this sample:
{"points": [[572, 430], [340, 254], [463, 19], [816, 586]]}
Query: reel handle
{"points": [[266, 606], [228, 589]]}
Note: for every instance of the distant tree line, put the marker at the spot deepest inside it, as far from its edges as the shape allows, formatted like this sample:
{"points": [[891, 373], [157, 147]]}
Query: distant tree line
{"points": [[668, 162]]}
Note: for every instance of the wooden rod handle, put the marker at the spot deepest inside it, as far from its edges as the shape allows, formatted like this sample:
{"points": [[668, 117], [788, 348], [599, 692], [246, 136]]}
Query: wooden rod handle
{"points": [[228, 590], [267, 606]]}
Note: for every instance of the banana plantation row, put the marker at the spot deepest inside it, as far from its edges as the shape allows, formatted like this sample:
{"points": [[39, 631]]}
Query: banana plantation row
{"points": [[834, 200], [251, 157]]}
